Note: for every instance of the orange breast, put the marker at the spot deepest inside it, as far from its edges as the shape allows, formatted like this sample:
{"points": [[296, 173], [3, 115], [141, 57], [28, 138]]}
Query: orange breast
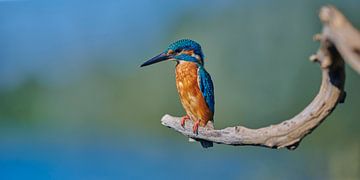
{"points": [[190, 94]]}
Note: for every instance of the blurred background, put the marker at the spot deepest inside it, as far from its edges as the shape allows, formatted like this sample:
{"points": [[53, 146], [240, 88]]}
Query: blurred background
{"points": [[74, 103]]}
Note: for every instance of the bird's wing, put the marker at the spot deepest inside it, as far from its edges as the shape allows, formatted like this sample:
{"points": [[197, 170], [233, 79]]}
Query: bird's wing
{"points": [[206, 87]]}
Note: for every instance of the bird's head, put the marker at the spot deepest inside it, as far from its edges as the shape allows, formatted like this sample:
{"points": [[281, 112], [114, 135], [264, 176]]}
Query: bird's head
{"points": [[181, 50]]}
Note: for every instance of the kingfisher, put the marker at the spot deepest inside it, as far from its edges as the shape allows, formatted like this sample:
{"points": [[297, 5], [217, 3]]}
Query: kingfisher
{"points": [[193, 82]]}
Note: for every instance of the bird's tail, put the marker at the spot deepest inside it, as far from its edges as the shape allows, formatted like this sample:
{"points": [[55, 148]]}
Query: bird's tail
{"points": [[204, 143]]}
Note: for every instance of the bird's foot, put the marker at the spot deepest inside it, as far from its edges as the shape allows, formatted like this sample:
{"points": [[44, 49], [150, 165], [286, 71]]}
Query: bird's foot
{"points": [[183, 119], [196, 127]]}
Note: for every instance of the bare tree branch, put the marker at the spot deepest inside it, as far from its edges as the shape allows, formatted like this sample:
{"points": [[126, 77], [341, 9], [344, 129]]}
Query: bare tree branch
{"points": [[338, 30], [338, 40]]}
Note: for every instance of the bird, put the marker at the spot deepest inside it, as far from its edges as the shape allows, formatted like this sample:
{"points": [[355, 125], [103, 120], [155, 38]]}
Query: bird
{"points": [[193, 82]]}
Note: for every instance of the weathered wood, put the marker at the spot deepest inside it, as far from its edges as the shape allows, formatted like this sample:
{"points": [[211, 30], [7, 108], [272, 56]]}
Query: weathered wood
{"points": [[338, 30], [338, 41]]}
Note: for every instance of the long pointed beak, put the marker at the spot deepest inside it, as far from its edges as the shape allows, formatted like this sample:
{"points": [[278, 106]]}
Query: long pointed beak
{"points": [[156, 59]]}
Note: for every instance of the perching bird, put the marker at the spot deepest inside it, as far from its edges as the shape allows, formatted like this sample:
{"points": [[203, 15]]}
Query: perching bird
{"points": [[193, 83]]}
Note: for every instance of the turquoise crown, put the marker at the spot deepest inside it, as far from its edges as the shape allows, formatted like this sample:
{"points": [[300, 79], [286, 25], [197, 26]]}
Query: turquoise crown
{"points": [[186, 44]]}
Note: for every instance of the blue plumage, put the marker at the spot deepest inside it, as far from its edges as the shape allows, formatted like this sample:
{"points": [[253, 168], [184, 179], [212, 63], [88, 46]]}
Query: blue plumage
{"points": [[206, 87]]}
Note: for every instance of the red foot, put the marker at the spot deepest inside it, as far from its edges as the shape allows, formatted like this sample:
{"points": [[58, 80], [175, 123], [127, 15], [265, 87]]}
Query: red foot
{"points": [[196, 127], [183, 119]]}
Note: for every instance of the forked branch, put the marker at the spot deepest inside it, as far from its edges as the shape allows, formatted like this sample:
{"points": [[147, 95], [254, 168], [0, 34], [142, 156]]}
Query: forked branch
{"points": [[339, 40]]}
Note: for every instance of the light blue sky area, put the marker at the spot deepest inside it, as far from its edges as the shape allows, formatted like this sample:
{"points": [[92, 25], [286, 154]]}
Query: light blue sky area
{"points": [[55, 41], [59, 40]]}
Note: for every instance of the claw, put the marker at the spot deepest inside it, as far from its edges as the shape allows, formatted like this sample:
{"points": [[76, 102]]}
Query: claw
{"points": [[183, 119], [196, 127]]}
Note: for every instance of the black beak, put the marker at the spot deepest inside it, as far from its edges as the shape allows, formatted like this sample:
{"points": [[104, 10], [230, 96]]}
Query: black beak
{"points": [[156, 59]]}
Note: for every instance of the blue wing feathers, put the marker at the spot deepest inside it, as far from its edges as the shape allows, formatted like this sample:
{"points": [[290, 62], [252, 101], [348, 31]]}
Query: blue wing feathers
{"points": [[206, 87]]}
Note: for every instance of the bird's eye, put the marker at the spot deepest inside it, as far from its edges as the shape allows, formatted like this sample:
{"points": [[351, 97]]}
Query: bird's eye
{"points": [[178, 50]]}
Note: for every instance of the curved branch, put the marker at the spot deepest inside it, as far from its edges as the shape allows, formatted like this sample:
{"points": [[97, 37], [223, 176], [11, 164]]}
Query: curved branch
{"points": [[289, 133], [342, 33]]}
